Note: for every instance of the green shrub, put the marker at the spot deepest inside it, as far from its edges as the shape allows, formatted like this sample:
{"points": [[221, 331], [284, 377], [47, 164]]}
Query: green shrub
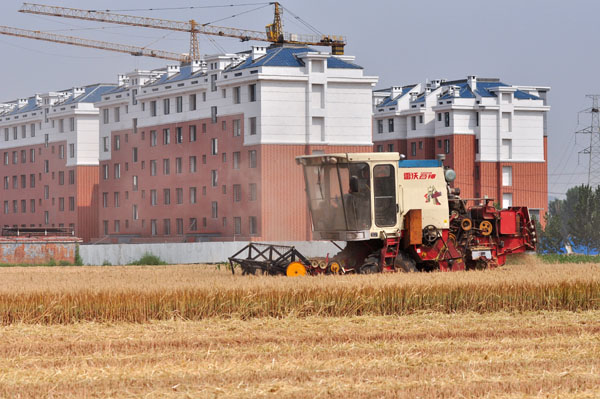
{"points": [[149, 259], [106, 263], [78, 260], [64, 263]]}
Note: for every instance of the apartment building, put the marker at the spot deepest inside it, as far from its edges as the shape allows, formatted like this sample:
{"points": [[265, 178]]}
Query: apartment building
{"points": [[206, 151], [49, 145], [493, 134]]}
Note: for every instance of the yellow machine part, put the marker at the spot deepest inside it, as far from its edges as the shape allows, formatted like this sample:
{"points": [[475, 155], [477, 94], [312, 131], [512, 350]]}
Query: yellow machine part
{"points": [[295, 269], [335, 267]]}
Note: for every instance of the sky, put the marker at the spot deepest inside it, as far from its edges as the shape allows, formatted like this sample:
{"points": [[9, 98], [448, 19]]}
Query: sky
{"points": [[522, 42]]}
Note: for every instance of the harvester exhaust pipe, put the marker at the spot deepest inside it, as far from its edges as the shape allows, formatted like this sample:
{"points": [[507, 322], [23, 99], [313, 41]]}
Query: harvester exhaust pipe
{"points": [[441, 157]]}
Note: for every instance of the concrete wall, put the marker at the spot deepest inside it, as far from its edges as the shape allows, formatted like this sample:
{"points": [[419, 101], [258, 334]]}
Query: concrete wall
{"points": [[197, 252]]}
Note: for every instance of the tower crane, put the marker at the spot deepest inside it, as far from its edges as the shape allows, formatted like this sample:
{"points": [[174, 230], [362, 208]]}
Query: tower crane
{"points": [[274, 31], [77, 41]]}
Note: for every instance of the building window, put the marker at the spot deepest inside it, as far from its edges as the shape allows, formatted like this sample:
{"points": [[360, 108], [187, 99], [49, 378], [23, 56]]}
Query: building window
{"points": [[23, 156], [153, 138], [214, 209], [117, 168], [236, 95], [179, 135], [167, 196], [253, 225], [71, 150], [105, 143], [213, 114], [153, 198], [213, 82], [224, 93], [236, 160], [253, 193], [6, 158], [413, 149], [135, 183], [236, 128], [179, 226], [166, 136], [420, 118], [46, 192], [252, 158], [214, 178], [390, 148], [135, 212], [476, 118], [152, 108], [117, 225], [166, 106], [178, 165], [31, 155], [167, 227], [476, 146], [105, 116], [6, 182], [23, 206], [447, 146], [420, 145], [31, 206], [117, 142], [252, 123], [134, 154], [390, 125], [193, 166], [152, 167], [179, 104], [71, 204], [379, 126], [379, 148], [117, 114], [166, 166], [507, 175], [237, 226], [71, 177], [61, 178], [193, 195], [46, 166], [237, 193], [192, 133], [447, 119], [193, 224], [439, 116], [413, 123], [213, 147], [204, 128], [179, 195], [32, 180], [61, 204], [153, 227], [507, 200], [192, 100], [252, 93], [104, 227]]}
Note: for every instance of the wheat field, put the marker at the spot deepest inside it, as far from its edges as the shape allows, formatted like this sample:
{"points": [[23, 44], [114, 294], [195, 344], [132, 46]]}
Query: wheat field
{"points": [[528, 330], [424, 355], [194, 292]]}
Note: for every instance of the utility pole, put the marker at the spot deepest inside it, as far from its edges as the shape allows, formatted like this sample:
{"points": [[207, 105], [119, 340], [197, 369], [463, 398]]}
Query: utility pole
{"points": [[593, 151]]}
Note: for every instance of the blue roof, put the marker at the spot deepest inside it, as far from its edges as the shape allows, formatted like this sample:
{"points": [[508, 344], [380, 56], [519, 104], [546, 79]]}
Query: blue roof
{"points": [[393, 101], [419, 163], [91, 94], [484, 89], [185, 72], [286, 56], [30, 106]]}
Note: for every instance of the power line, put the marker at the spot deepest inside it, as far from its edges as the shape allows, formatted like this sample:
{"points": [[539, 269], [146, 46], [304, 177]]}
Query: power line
{"points": [[593, 150]]}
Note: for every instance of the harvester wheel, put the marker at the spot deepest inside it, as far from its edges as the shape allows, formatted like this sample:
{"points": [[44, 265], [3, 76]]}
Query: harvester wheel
{"points": [[466, 224], [486, 228], [295, 269], [405, 263], [430, 234], [334, 268], [371, 265]]}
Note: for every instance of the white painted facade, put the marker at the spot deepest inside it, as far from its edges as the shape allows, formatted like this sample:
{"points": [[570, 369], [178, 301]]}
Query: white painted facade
{"points": [[53, 117], [491, 111], [308, 104]]}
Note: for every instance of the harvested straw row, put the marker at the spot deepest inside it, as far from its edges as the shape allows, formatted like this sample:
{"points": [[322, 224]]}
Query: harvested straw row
{"points": [[195, 304]]}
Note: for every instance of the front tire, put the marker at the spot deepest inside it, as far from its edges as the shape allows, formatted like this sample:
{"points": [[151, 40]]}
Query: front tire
{"points": [[405, 263], [370, 265]]}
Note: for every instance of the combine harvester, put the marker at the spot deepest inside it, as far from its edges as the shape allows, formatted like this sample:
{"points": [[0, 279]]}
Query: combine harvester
{"points": [[395, 215]]}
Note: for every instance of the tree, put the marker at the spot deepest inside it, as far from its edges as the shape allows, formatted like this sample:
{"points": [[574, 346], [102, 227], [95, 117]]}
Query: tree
{"points": [[573, 220]]}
